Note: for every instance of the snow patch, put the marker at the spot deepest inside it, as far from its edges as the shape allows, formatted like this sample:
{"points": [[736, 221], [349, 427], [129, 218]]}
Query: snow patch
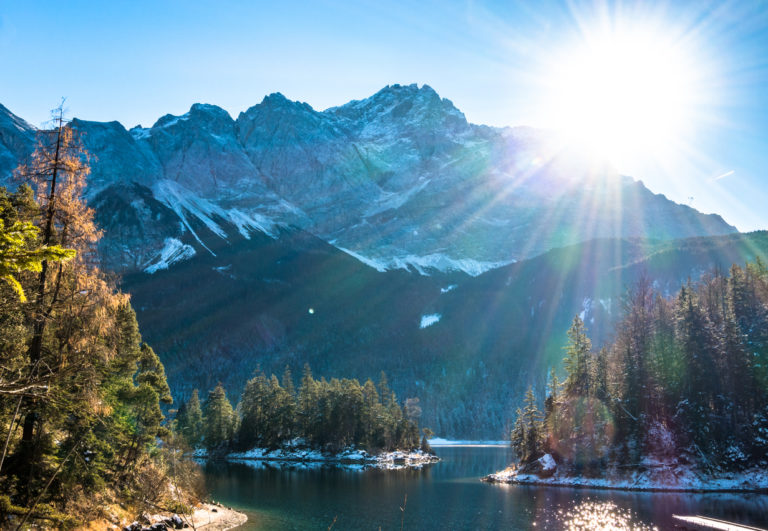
{"points": [[173, 251], [377, 265], [247, 223], [449, 288], [172, 120], [189, 206], [140, 133], [586, 306], [429, 320], [422, 264], [547, 462]]}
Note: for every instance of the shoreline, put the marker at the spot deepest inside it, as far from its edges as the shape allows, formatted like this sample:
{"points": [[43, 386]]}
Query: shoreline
{"points": [[350, 458], [750, 481], [209, 516], [219, 518]]}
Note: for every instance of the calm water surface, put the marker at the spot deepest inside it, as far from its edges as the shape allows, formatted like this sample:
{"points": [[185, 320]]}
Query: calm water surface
{"points": [[449, 495]]}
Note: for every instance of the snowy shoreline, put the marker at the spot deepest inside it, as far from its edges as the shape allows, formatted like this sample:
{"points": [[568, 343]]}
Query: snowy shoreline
{"points": [[349, 457], [667, 479]]}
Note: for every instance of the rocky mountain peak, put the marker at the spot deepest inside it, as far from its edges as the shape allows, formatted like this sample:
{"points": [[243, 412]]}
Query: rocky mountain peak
{"points": [[17, 139], [398, 180], [207, 111], [404, 106], [10, 120]]}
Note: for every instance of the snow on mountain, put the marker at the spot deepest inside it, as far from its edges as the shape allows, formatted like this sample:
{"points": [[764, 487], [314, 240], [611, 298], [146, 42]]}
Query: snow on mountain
{"points": [[172, 252], [423, 264], [429, 320], [399, 180], [186, 204]]}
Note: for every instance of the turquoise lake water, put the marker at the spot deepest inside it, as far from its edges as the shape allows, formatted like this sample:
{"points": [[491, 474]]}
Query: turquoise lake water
{"points": [[448, 495]]}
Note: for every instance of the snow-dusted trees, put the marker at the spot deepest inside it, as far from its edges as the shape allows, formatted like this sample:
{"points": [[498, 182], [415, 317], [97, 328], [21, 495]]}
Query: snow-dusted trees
{"points": [[325, 413], [527, 436], [577, 359], [689, 369]]}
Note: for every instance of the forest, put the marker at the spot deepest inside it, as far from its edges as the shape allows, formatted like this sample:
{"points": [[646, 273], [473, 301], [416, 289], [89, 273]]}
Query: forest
{"points": [[326, 414], [80, 393], [685, 381]]}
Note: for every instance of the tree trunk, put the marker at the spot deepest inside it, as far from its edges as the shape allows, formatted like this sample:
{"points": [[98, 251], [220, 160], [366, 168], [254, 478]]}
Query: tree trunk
{"points": [[32, 418]]}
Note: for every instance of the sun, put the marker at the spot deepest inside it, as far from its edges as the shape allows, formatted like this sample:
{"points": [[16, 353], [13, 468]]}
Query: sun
{"points": [[623, 94]]}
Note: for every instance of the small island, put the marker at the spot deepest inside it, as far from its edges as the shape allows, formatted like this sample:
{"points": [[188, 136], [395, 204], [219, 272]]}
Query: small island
{"points": [[336, 422], [675, 403]]}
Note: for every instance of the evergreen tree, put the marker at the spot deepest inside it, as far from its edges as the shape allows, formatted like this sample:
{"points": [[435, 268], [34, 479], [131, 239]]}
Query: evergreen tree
{"points": [[577, 359], [19, 247], [189, 420], [219, 419], [682, 379], [527, 434]]}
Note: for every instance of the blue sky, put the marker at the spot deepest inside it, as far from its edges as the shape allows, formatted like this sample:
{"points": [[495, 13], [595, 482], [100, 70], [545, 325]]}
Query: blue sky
{"points": [[134, 61]]}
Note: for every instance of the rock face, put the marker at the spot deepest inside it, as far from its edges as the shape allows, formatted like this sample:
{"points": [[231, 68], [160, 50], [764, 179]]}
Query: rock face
{"points": [[398, 180], [17, 140]]}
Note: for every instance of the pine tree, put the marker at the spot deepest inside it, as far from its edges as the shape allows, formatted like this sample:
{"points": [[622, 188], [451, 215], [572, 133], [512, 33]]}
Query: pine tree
{"points": [[578, 352], [19, 248], [518, 436], [699, 346], [528, 432], [532, 418], [371, 411], [189, 420], [219, 419], [254, 412], [307, 404]]}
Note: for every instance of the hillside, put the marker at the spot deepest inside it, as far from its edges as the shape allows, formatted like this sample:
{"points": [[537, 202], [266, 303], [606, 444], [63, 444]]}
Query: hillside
{"points": [[286, 301]]}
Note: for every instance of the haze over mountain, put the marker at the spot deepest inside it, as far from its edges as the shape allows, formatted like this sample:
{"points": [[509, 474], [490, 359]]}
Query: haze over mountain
{"points": [[385, 234]]}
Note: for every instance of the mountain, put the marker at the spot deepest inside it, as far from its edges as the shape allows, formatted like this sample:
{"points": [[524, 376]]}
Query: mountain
{"points": [[385, 234], [396, 180], [17, 140]]}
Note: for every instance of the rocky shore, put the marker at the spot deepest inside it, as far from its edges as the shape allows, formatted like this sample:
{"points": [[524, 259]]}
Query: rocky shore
{"points": [[206, 516]]}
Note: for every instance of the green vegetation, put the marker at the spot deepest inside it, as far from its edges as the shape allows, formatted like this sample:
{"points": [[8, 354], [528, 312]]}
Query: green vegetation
{"points": [[327, 414], [80, 393], [685, 381]]}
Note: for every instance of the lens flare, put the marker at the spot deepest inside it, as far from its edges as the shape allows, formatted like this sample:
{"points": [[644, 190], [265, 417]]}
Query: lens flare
{"points": [[625, 93]]}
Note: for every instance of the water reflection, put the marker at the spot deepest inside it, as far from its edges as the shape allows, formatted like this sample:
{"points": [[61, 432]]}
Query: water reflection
{"points": [[449, 495], [601, 516]]}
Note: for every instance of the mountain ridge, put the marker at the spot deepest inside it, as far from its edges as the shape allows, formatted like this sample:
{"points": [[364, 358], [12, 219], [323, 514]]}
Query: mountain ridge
{"points": [[399, 179]]}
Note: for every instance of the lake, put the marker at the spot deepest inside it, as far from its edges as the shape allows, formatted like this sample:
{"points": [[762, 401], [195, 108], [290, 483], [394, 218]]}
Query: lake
{"points": [[447, 495]]}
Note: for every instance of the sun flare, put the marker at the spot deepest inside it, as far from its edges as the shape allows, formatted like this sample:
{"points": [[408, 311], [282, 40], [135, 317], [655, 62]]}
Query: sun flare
{"points": [[623, 95]]}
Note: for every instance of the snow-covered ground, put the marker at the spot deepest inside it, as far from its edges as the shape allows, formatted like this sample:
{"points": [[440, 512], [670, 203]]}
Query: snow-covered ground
{"points": [[350, 457], [655, 478]]}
